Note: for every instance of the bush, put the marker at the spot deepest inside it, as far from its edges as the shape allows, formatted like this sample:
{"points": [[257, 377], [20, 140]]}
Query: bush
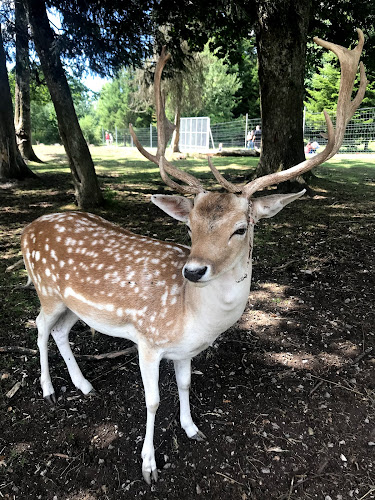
{"points": [[91, 129]]}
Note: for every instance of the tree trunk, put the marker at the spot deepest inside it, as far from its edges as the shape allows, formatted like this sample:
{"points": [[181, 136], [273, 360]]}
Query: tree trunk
{"points": [[177, 117], [12, 165], [22, 117], [88, 194], [281, 44]]}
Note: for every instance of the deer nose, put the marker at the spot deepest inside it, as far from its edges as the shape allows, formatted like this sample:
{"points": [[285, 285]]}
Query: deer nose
{"points": [[194, 274]]}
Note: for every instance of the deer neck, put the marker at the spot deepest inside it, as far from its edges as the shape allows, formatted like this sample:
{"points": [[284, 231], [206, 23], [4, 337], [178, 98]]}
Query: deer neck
{"points": [[222, 301]]}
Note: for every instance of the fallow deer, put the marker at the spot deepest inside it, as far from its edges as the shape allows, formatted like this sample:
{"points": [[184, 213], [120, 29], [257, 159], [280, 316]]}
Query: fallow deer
{"points": [[172, 301]]}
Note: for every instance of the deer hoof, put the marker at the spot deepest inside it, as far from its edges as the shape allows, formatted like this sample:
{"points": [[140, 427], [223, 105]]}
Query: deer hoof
{"points": [[199, 436], [92, 394], [51, 399], [147, 476]]}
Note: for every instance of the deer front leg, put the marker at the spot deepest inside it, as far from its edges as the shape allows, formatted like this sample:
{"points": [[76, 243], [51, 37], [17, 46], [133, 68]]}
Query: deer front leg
{"points": [[149, 365], [183, 376]]}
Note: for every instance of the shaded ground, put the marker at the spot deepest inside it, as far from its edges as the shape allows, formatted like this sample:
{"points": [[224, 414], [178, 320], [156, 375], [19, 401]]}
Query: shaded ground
{"points": [[286, 397]]}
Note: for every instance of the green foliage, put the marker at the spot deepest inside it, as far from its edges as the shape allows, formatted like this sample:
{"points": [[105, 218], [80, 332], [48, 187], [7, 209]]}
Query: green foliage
{"points": [[43, 117], [44, 123], [324, 87], [246, 68], [106, 35], [91, 128], [115, 103], [207, 84], [81, 95], [38, 88], [220, 87]]}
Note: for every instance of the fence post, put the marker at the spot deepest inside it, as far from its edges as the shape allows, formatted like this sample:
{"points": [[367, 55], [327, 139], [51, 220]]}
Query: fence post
{"points": [[246, 126], [116, 134], [212, 140], [150, 135], [304, 121]]}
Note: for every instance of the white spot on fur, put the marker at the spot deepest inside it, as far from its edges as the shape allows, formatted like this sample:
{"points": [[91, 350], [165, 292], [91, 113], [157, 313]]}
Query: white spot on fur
{"points": [[164, 298]]}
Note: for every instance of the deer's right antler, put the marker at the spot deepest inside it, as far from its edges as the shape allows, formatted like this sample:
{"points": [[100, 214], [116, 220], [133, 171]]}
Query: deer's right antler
{"points": [[345, 109]]}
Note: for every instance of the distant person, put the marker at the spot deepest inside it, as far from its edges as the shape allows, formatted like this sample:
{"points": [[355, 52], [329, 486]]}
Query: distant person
{"points": [[250, 139], [308, 148], [220, 147], [107, 138], [110, 138], [257, 137], [315, 146]]}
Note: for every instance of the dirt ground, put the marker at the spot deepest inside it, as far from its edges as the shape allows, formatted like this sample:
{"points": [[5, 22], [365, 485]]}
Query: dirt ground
{"points": [[286, 397]]}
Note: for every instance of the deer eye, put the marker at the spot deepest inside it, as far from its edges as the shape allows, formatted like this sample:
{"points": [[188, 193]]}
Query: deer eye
{"points": [[240, 231]]}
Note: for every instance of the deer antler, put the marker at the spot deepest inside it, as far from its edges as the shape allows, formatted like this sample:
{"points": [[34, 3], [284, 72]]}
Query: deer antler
{"points": [[165, 130], [348, 63], [345, 109]]}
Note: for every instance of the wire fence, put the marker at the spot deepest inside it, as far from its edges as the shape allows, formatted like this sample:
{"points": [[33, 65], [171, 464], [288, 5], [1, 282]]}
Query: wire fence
{"points": [[359, 136]]}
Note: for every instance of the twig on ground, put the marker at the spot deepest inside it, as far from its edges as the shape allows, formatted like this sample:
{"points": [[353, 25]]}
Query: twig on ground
{"points": [[86, 357], [371, 490], [13, 267], [340, 385], [228, 478], [121, 367]]}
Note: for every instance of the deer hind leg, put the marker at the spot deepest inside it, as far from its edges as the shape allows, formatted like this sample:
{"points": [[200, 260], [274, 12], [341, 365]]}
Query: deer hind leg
{"points": [[60, 333], [44, 323], [182, 369], [149, 365]]}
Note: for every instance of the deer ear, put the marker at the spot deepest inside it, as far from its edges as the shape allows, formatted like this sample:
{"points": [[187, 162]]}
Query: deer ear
{"points": [[177, 207], [268, 206]]}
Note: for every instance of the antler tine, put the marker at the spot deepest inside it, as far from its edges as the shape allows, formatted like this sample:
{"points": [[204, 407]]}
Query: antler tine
{"points": [[222, 180], [190, 189], [165, 129], [193, 185], [190, 180], [139, 146], [284, 175], [345, 109]]}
